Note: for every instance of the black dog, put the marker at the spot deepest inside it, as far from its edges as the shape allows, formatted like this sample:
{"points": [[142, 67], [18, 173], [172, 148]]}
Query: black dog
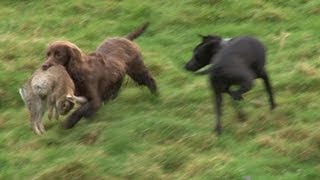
{"points": [[234, 62]]}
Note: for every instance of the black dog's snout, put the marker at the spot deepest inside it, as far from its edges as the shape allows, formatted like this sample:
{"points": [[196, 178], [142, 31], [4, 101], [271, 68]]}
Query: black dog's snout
{"points": [[187, 67], [192, 65]]}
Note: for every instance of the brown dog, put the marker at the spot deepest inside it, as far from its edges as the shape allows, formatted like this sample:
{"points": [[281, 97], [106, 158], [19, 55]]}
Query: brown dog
{"points": [[98, 76]]}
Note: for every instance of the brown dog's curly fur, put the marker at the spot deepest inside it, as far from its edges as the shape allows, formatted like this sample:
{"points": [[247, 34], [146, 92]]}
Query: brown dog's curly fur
{"points": [[98, 76]]}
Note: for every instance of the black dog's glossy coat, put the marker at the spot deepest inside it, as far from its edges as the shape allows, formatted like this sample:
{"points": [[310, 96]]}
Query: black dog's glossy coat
{"points": [[235, 62]]}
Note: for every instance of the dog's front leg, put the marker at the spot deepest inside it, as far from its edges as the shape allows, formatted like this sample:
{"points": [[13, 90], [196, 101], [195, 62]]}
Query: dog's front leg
{"points": [[86, 110], [218, 105], [218, 128]]}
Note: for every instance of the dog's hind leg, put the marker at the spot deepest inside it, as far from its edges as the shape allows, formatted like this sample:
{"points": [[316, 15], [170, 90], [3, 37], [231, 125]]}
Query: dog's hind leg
{"points": [[263, 74], [245, 86], [244, 80], [141, 75]]}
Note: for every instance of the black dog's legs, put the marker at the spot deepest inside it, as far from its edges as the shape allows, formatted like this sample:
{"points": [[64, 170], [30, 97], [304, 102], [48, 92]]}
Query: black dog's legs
{"points": [[218, 128], [268, 87], [242, 78], [245, 86], [240, 113], [218, 105]]}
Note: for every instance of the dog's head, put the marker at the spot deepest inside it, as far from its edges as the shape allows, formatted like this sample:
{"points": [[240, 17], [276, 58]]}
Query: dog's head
{"points": [[63, 53], [203, 52]]}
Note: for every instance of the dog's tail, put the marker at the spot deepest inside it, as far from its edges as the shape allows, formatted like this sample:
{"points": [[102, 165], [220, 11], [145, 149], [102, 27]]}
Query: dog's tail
{"points": [[133, 35]]}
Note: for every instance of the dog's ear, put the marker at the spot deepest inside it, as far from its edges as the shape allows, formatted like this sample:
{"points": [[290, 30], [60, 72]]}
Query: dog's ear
{"points": [[214, 45], [75, 56], [210, 38], [204, 38]]}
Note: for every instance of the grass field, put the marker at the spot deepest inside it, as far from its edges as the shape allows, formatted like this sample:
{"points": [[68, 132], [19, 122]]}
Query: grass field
{"points": [[139, 136]]}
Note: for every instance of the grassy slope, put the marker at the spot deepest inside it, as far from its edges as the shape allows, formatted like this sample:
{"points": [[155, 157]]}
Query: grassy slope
{"points": [[143, 137]]}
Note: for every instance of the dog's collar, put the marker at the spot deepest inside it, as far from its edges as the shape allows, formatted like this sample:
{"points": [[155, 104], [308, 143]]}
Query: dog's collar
{"points": [[225, 41]]}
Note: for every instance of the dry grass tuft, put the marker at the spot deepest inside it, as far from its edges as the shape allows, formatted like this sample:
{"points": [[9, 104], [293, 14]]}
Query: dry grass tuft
{"points": [[70, 171], [269, 14], [294, 134], [278, 145], [89, 138], [302, 144], [200, 164], [307, 69]]}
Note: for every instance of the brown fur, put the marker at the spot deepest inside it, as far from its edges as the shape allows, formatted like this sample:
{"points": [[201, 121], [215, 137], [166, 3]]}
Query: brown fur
{"points": [[98, 76], [53, 89]]}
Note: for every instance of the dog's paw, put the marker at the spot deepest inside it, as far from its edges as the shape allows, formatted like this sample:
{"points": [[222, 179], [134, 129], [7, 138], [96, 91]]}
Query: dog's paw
{"points": [[241, 116], [69, 123], [236, 96], [218, 130]]}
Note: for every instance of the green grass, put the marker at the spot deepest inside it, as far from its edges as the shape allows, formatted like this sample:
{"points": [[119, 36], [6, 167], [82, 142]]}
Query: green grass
{"points": [[139, 136]]}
